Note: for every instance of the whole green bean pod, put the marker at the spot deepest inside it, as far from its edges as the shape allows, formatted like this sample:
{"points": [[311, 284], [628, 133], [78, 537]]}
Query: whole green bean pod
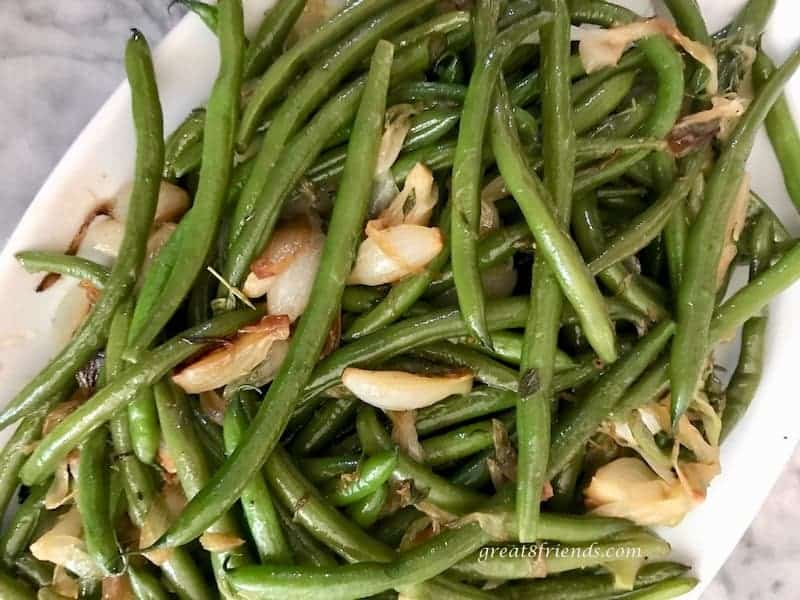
{"points": [[697, 294], [319, 469], [162, 293], [312, 90], [480, 402], [581, 420], [187, 135], [366, 511], [363, 579], [745, 379], [306, 549], [462, 442], [751, 21], [467, 161], [267, 43], [484, 369], [344, 234], [94, 504], [19, 532], [581, 88], [257, 504], [444, 588], [34, 261], [324, 425], [92, 334], [781, 128], [664, 590], [371, 474], [647, 225], [153, 365], [562, 256], [508, 348]]}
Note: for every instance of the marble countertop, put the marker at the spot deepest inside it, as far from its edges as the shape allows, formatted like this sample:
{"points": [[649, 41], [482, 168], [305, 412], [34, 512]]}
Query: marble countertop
{"points": [[59, 61]]}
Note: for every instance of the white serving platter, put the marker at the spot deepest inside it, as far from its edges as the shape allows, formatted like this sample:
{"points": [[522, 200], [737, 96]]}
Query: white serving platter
{"points": [[101, 160]]}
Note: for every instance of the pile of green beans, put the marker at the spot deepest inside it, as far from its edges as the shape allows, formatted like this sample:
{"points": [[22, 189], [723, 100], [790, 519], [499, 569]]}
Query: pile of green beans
{"points": [[580, 277]]}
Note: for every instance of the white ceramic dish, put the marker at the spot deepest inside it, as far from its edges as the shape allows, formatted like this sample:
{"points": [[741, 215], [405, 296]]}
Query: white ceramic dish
{"points": [[101, 161]]}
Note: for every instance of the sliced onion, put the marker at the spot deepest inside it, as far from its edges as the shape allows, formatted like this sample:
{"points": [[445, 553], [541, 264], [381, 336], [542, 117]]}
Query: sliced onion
{"points": [[291, 290], [290, 238], [63, 583], [163, 511], [58, 493], [213, 406], [415, 203], [263, 373], [70, 313], [399, 390], [601, 48], [102, 240], [220, 542], [236, 359], [404, 433], [390, 254], [62, 411], [118, 588], [158, 238], [173, 202], [62, 545], [398, 122]]}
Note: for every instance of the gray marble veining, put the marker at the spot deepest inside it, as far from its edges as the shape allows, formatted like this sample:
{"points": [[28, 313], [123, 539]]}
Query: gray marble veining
{"points": [[58, 63]]}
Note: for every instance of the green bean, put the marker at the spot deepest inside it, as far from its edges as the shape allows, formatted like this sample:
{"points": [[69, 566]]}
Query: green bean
{"points": [[486, 564], [140, 489], [751, 21], [581, 420], [441, 492], [467, 161], [34, 261], [585, 85], [371, 474], [561, 254], [324, 425], [306, 550], [143, 424], [206, 12], [366, 578], [19, 532], [450, 68], [508, 348], [590, 110], [14, 589], [320, 469], [494, 248], [579, 586], [529, 87], [187, 136], [628, 120], [153, 365], [403, 294], [697, 294], [163, 291], [188, 162], [589, 235], [210, 435], [564, 484], [344, 234], [782, 130], [301, 153], [91, 335], [430, 91], [317, 516], [312, 90], [286, 67], [94, 504], [145, 585], [745, 379], [464, 441], [452, 22], [480, 402], [484, 369], [664, 590], [257, 504], [267, 43], [443, 588], [193, 471], [690, 21], [646, 226], [365, 512], [35, 571]]}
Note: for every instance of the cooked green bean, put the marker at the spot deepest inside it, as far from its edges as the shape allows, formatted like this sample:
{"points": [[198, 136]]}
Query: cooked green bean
{"points": [[324, 425], [483, 368], [306, 550], [91, 335], [206, 12], [467, 162], [781, 128], [165, 287], [601, 102], [188, 135], [664, 590], [360, 298], [697, 294], [367, 510], [371, 474], [143, 425], [464, 441], [152, 366], [35, 261], [19, 532], [320, 469], [508, 348], [267, 43], [145, 585], [94, 504], [344, 233]]}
